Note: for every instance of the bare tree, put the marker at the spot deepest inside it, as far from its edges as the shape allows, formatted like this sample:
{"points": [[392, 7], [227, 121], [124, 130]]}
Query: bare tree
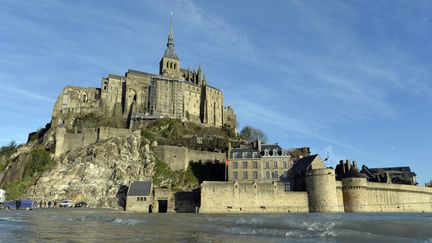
{"points": [[252, 134]]}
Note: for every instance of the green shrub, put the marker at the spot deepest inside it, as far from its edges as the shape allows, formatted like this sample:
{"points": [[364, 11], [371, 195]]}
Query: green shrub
{"points": [[5, 153], [37, 161], [16, 189]]}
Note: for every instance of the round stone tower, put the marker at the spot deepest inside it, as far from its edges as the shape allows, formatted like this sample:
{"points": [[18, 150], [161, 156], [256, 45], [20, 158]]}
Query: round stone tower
{"points": [[321, 188], [355, 194]]}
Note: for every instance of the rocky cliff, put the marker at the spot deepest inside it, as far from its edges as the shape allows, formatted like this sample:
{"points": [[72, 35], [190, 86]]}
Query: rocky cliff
{"points": [[98, 174]]}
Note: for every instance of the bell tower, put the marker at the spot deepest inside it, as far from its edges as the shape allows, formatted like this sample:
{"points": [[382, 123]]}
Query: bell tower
{"points": [[169, 65]]}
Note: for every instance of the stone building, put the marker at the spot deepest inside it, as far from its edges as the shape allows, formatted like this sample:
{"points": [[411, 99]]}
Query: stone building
{"points": [[140, 197], [174, 92], [298, 172], [260, 162]]}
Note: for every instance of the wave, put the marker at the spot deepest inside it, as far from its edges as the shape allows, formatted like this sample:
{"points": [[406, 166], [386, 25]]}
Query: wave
{"points": [[11, 219], [326, 226]]}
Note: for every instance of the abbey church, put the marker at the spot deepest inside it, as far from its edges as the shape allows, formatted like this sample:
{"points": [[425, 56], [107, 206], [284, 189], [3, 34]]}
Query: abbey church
{"points": [[172, 93]]}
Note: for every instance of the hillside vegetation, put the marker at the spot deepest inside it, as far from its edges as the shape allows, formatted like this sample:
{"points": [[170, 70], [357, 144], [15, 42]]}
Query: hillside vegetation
{"points": [[188, 134], [24, 170]]}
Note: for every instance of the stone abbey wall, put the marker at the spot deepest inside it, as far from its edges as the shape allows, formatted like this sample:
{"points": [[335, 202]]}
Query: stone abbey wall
{"points": [[250, 197], [65, 141], [179, 158]]}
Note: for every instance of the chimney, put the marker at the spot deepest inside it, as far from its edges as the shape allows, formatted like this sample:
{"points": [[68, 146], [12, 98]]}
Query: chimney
{"points": [[258, 145], [355, 165], [348, 166], [342, 167]]}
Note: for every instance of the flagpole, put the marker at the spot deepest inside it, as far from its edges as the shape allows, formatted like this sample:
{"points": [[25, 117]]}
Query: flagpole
{"points": [[226, 166]]}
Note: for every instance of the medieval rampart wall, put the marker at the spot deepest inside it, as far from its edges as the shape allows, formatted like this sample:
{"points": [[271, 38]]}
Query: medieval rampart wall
{"points": [[362, 196], [322, 193], [179, 158], [68, 141], [250, 197]]}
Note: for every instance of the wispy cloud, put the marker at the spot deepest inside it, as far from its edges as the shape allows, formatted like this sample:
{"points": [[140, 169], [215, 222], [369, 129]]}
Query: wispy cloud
{"points": [[27, 93], [288, 123], [210, 32]]}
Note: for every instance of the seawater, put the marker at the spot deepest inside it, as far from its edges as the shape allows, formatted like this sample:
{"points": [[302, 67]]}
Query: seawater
{"points": [[90, 225]]}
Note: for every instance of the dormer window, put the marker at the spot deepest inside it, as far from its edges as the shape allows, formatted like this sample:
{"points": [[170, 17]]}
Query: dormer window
{"points": [[266, 152]]}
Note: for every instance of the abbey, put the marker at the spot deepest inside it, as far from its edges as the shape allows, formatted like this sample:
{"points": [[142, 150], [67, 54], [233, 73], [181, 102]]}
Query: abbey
{"points": [[172, 93]]}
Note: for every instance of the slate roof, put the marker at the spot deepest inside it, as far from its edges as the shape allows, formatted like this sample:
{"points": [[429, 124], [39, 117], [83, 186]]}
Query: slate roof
{"points": [[138, 72], [139, 188], [303, 163], [270, 147], [247, 153], [170, 53], [396, 169]]}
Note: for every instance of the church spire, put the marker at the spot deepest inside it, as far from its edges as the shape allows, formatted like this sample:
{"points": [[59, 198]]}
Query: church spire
{"points": [[170, 63], [170, 52], [170, 34]]}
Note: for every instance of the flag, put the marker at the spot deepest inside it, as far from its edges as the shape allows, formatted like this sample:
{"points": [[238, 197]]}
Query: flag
{"points": [[226, 162], [328, 157]]}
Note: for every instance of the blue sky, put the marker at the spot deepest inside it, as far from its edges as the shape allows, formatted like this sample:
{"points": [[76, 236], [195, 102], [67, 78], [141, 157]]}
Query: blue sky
{"points": [[348, 78]]}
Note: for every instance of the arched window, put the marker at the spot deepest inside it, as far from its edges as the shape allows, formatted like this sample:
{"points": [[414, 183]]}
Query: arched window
{"points": [[175, 65], [132, 95], [167, 64], [171, 65], [84, 97]]}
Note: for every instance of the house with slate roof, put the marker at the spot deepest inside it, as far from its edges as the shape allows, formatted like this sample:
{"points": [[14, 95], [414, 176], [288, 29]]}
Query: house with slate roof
{"points": [[140, 197], [299, 169], [260, 162]]}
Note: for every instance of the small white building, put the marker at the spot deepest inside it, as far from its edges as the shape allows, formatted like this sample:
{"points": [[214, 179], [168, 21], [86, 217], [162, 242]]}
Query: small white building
{"points": [[2, 196]]}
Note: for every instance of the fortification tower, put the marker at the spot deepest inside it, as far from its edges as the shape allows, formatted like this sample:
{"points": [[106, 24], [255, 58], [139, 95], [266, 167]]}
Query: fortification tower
{"points": [[355, 194], [170, 64], [321, 188]]}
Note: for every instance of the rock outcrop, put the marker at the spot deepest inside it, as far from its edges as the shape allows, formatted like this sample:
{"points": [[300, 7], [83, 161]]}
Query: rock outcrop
{"points": [[98, 174]]}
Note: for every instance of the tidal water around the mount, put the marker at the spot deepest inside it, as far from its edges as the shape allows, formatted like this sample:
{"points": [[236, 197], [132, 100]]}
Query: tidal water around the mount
{"points": [[89, 225]]}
